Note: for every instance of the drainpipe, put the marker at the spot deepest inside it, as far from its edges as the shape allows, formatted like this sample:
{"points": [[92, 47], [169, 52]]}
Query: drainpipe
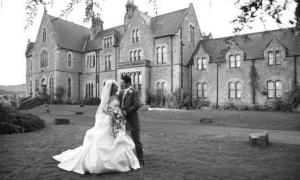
{"points": [[217, 103], [79, 99], [181, 59], [171, 64], [97, 79], [295, 72]]}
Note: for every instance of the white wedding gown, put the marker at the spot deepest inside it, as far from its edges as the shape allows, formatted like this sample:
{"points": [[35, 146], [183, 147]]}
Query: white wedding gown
{"points": [[101, 152]]}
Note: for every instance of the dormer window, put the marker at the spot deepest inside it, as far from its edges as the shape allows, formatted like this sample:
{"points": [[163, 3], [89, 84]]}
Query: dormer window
{"points": [[274, 58], [202, 63], [235, 61], [44, 35], [108, 42]]}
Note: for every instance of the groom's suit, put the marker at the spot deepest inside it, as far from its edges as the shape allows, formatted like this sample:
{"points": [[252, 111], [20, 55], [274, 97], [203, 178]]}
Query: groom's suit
{"points": [[130, 103]]}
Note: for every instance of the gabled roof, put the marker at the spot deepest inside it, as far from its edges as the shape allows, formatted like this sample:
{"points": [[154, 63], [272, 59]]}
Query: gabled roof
{"points": [[252, 44], [167, 24], [29, 49], [96, 43], [70, 36]]}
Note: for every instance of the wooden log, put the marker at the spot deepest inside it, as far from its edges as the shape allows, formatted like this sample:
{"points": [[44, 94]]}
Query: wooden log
{"points": [[260, 139], [205, 120], [59, 121]]}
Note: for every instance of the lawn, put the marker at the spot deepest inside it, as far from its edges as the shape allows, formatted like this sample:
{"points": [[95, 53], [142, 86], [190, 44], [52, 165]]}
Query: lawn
{"points": [[176, 147]]}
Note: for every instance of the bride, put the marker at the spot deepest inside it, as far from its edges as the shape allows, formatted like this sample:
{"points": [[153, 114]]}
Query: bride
{"points": [[102, 152]]}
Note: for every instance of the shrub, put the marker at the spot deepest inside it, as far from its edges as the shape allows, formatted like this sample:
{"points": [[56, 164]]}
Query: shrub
{"points": [[199, 103], [294, 96], [281, 105], [92, 101], [32, 103], [15, 122]]}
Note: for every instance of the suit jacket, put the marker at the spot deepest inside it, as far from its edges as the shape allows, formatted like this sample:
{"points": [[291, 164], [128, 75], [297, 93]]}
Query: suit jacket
{"points": [[131, 105]]}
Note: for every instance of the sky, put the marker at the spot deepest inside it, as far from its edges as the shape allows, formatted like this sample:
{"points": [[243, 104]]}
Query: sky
{"points": [[213, 16]]}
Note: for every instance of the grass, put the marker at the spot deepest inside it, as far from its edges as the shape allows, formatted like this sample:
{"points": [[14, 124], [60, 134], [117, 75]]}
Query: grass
{"points": [[174, 149]]}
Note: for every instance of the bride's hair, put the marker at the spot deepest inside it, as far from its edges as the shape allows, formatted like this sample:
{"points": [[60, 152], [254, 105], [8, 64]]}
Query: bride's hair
{"points": [[105, 94]]}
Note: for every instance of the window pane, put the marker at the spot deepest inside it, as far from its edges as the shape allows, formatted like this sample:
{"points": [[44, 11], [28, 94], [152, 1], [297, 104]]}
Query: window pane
{"points": [[231, 61], [199, 90], [271, 58], [231, 90], [238, 90], [270, 89], [159, 60], [238, 60], [204, 61], [140, 78], [277, 57], [204, 89], [199, 63], [278, 90]]}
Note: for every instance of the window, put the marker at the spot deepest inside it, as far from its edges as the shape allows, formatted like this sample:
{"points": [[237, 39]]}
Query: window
{"points": [[30, 88], [139, 54], [238, 90], [231, 61], [161, 54], [131, 56], [199, 63], [270, 58], [237, 60], [36, 85], [44, 35], [164, 55], [51, 85], [192, 34], [108, 42], [231, 90], [108, 62], [158, 54], [94, 60], [278, 89], [135, 55], [158, 88], [69, 87], [277, 57], [270, 89], [133, 35], [140, 83], [44, 59], [202, 91], [137, 34], [69, 59], [202, 63]]}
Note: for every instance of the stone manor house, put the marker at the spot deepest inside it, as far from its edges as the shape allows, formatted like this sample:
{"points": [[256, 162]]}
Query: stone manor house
{"points": [[165, 52]]}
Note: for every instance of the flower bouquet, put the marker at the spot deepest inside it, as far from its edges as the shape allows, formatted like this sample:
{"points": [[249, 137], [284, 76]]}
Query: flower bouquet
{"points": [[118, 120]]}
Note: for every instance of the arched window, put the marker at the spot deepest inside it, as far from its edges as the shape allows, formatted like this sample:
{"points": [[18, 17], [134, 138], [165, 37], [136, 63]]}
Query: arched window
{"points": [[30, 88], [164, 55], [36, 85], [199, 63], [44, 58], [92, 90], [44, 35], [270, 89], [199, 90], [133, 35], [237, 60], [231, 61], [231, 92], [204, 90], [69, 87], [94, 60], [137, 35], [159, 57], [163, 87], [204, 63], [278, 57], [69, 59], [135, 55], [139, 54], [278, 89], [131, 55], [270, 58], [158, 88], [238, 90]]}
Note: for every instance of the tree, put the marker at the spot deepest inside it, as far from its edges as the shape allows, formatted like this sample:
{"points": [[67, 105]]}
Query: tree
{"points": [[251, 11]]}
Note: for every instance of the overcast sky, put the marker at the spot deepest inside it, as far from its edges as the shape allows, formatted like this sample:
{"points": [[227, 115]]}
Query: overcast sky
{"points": [[213, 16]]}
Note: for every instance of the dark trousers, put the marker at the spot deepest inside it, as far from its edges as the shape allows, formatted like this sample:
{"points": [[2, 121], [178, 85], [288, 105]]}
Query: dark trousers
{"points": [[138, 145]]}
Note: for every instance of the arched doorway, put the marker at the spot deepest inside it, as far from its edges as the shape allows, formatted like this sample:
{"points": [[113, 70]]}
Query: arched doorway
{"points": [[44, 86]]}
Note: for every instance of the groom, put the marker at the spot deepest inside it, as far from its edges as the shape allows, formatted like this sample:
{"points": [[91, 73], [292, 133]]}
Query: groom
{"points": [[130, 103]]}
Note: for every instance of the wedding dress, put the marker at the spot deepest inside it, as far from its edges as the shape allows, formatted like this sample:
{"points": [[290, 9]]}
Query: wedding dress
{"points": [[101, 152]]}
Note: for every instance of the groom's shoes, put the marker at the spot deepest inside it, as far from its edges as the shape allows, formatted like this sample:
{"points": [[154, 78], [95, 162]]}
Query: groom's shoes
{"points": [[142, 163]]}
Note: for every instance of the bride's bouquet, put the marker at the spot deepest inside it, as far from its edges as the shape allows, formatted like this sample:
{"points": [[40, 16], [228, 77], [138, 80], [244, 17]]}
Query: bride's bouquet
{"points": [[118, 120]]}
